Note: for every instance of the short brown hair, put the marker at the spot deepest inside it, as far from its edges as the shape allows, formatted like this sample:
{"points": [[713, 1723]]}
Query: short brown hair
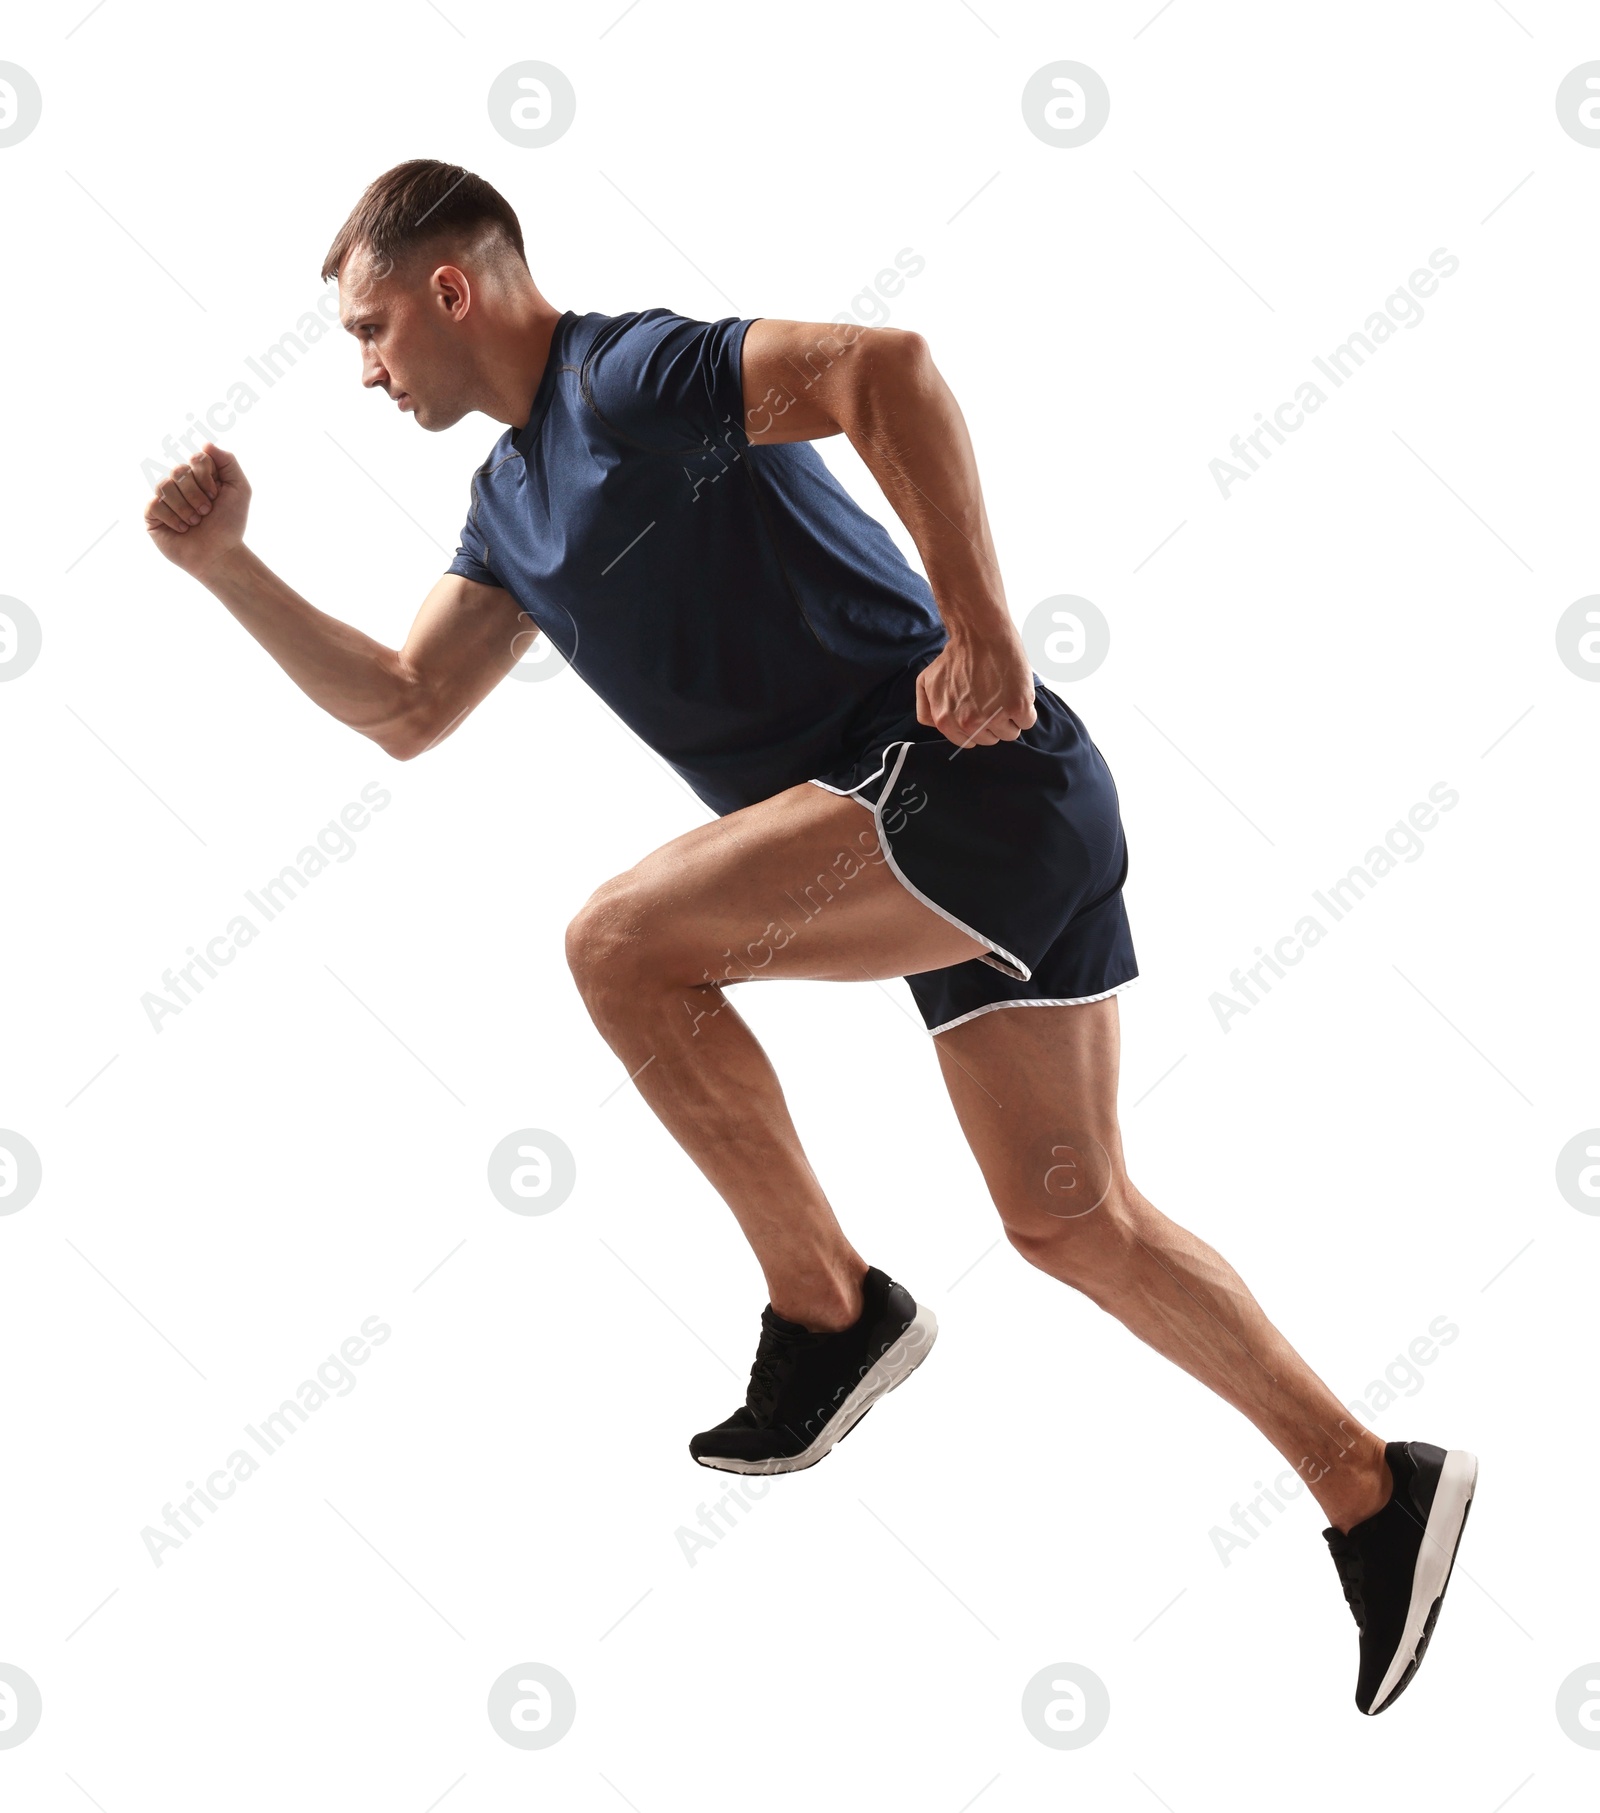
{"points": [[418, 203]]}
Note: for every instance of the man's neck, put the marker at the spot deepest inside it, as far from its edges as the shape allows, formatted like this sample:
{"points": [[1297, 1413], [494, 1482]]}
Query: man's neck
{"points": [[517, 354]]}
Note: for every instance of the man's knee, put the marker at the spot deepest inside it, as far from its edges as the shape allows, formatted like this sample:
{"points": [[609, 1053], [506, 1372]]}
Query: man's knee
{"points": [[1088, 1255], [1080, 1228], [609, 938]]}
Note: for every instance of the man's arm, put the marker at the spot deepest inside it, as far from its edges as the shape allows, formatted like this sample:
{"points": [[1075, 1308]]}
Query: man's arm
{"points": [[879, 386], [465, 639]]}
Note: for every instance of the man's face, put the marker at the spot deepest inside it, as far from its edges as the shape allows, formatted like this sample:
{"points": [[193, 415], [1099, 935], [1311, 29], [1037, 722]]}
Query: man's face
{"points": [[407, 324]]}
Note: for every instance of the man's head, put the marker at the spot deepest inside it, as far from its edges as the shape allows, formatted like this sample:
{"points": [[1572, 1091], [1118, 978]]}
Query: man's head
{"points": [[431, 273]]}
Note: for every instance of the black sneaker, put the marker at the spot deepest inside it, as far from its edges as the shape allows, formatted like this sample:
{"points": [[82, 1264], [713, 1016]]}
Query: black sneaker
{"points": [[1395, 1566], [808, 1391]]}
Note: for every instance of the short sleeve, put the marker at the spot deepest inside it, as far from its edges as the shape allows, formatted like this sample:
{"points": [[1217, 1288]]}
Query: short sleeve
{"points": [[669, 383], [472, 555]]}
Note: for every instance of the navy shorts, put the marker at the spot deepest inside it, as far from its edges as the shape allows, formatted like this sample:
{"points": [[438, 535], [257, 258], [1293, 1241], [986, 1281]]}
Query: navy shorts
{"points": [[1020, 844]]}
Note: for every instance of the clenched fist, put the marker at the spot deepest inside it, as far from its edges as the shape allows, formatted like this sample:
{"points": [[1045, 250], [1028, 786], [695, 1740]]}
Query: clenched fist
{"points": [[978, 689], [198, 513]]}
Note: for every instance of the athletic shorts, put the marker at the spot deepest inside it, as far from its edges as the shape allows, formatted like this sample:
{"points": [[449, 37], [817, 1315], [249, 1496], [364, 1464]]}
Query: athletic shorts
{"points": [[1020, 844]]}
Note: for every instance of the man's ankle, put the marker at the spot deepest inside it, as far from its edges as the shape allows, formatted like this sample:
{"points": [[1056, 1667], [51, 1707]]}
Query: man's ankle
{"points": [[1375, 1489], [824, 1303]]}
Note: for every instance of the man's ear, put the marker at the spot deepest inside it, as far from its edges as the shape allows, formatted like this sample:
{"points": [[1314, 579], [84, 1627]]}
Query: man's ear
{"points": [[450, 288]]}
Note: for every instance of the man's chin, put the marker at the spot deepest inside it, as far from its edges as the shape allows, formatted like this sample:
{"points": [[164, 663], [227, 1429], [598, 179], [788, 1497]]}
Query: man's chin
{"points": [[433, 419]]}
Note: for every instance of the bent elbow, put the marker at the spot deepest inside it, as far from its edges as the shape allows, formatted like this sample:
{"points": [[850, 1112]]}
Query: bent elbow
{"points": [[413, 721], [405, 742], [405, 738]]}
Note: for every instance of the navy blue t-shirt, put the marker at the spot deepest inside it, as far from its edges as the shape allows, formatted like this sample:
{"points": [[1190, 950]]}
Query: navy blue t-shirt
{"points": [[731, 603]]}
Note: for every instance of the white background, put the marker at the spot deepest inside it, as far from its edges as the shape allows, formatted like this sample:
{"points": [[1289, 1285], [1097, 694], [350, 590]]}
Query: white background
{"points": [[1373, 1145]]}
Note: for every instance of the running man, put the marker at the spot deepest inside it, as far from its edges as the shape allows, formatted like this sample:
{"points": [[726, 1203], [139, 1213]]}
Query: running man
{"points": [[897, 794]]}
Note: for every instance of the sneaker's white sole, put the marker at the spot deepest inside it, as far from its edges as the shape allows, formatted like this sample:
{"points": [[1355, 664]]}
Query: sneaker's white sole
{"points": [[894, 1367], [1457, 1480]]}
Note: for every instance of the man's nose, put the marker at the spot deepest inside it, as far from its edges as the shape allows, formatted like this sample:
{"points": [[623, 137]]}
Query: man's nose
{"points": [[374, 375]]}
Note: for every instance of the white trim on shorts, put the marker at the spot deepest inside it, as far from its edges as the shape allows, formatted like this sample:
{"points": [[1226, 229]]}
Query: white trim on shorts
{"points": [[854, 792], [1021, 971], [1075, 1001], [900, 876]]}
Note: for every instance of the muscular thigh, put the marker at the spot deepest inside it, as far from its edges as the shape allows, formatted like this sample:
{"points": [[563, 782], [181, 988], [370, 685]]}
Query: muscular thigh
{"points": [[795, 886], [1035, 1090]]}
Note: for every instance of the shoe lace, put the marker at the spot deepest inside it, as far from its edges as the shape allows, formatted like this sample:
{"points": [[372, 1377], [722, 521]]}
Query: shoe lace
{"points": [[1347, 1559], [774, 1363]]}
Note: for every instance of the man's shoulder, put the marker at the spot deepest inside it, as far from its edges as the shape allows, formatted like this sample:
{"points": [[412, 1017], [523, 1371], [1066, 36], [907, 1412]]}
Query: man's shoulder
{"points": [[504, 449], [604, 353], [658, 379], [593, 335]]}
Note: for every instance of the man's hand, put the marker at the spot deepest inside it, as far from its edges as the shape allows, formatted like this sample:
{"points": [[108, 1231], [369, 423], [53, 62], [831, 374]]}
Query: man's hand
{"points": [[978, 689], [198, 513]]}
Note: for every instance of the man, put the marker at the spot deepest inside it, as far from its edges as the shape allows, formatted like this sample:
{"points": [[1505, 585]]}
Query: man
{"points": [[897, 795]]}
